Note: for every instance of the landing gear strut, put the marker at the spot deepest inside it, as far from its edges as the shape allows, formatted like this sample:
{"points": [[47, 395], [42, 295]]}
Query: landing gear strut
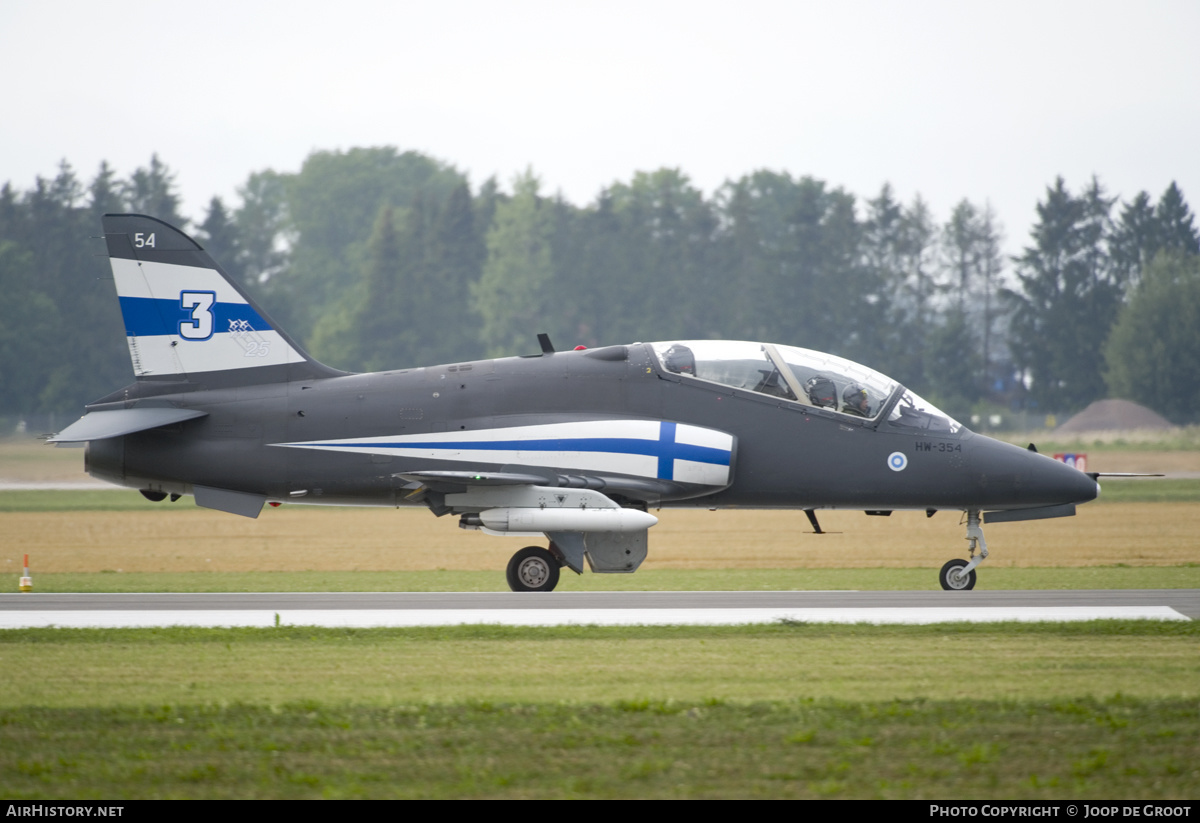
{"points": [[957, 574], [533, 569]]}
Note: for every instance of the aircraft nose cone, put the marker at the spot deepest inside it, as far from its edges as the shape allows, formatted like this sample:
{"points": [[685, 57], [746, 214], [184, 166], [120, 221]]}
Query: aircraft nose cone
{"points": [[1059, 483], [1089, 488], [1012, 476]]}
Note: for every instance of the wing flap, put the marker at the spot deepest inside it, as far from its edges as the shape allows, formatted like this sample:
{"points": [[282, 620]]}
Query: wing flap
{"points": [[474, 478], [457, 481]]}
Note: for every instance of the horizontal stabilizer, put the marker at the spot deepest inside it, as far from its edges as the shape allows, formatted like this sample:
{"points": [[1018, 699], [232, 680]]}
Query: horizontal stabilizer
{"points": [[101, 424]]}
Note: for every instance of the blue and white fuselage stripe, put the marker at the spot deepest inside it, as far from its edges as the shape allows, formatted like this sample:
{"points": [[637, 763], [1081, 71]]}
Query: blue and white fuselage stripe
{"points": [[641, 448]]}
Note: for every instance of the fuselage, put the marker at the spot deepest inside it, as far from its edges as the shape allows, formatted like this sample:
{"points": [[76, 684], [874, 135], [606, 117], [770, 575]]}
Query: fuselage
{"points": [[785, 454]]}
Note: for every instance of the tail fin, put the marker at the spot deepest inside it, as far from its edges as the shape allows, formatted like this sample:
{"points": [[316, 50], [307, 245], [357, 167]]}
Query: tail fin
{"points": [[185, 319]]}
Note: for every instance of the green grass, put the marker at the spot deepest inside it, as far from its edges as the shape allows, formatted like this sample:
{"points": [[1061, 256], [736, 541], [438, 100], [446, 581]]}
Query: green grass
{"points": [[87, 667], [1072, 749], [1186, 438], [1148, 490], [73, 667], [80, 500], [1091, 710], [990, 579]]}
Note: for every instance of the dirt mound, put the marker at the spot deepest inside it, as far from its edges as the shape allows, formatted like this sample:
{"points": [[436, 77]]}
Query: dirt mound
{"points": [[1114, 415]]}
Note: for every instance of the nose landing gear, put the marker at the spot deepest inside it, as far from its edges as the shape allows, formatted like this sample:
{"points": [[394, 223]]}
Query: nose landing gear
{"points": [[958, 574], [953, 578]]}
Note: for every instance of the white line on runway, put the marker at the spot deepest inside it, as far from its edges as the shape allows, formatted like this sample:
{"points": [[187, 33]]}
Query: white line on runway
{"points": [[366, 618]]}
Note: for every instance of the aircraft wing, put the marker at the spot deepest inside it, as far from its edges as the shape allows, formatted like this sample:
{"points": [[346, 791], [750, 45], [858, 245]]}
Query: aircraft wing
{"points": [[450, 482], [439, 478], [99, 425]]}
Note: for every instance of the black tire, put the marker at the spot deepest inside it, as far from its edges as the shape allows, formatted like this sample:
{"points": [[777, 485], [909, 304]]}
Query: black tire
{"points": [[533, 569], [951, 579]]}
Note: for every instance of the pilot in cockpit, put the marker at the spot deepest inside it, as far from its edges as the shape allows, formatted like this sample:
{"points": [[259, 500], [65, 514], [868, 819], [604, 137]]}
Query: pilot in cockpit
{"points": [[680, 360], [821, 391], [855, 401]]}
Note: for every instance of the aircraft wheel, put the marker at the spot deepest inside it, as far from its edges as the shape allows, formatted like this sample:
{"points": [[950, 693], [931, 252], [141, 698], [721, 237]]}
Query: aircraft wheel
{"points": [[533, 569], [953, 580]]}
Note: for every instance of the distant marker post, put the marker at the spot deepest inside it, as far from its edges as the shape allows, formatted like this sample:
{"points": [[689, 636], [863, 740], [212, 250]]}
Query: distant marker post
{"points": [[26, 581]]}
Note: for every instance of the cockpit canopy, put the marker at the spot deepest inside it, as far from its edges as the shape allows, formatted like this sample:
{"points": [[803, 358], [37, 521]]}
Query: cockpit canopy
{"points": [[803, 376]]}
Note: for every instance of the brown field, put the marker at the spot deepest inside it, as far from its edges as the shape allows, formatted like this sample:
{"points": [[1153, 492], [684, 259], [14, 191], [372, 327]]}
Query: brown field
{"points": [[186, 538]]}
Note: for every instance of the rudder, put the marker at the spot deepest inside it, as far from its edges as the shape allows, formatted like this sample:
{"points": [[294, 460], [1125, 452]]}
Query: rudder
{"points": [[185, 319]]}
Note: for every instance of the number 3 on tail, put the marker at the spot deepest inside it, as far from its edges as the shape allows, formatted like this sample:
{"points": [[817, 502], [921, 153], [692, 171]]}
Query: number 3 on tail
{"points": [[200, 325]]}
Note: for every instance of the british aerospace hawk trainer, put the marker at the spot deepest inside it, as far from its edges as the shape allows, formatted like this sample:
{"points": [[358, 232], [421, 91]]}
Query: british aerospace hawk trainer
{"points": [[573, 445]]}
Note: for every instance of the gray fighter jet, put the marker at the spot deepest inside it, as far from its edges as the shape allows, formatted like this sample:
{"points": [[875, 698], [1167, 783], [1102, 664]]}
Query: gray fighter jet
{"points": [[578, 446]]}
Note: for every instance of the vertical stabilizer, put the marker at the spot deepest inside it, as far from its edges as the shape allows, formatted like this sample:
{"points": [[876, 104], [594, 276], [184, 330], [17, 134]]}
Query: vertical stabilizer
{"points": [[185, 319]]}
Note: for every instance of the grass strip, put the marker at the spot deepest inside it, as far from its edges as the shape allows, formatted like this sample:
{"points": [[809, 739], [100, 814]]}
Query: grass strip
{"points": [[908, 749], [1184, 438], [991, 579], [1148, 490], [83, 500], [65, 668]]}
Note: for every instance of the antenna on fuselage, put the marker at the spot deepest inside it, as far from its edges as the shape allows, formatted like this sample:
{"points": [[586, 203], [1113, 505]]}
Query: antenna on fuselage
{"points": [[544, 341]]}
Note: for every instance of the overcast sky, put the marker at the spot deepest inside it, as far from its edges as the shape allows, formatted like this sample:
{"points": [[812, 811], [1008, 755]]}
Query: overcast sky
{"points": [[987, 101]]}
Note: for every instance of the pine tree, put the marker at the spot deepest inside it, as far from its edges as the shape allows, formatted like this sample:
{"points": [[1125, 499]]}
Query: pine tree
{"points": [[1151, 354], [152, 191], [1135, 238], [991, 268], [104, 194], [1068, 299], [1176, 229], [219, 236], [513, 295], [456, 259]]}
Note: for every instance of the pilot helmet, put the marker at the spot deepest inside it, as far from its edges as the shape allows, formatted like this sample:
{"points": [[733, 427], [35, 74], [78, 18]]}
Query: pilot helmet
{"points": [[821, 391], [680, 360], [855, 400]]}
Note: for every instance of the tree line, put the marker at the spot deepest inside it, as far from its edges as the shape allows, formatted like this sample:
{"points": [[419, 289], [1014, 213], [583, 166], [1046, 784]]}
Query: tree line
{"points": [[376, 259]]}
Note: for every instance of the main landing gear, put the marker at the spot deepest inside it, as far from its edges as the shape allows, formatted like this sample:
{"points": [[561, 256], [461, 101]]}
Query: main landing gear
{"points": [[533, 569], [959, 574]]}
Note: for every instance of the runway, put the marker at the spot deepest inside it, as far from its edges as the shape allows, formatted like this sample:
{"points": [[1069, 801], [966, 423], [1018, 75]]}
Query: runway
{"points": [[402, 609]]}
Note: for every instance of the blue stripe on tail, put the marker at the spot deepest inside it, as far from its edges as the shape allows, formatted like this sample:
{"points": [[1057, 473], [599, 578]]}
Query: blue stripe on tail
{"points": [[148, 317]]}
